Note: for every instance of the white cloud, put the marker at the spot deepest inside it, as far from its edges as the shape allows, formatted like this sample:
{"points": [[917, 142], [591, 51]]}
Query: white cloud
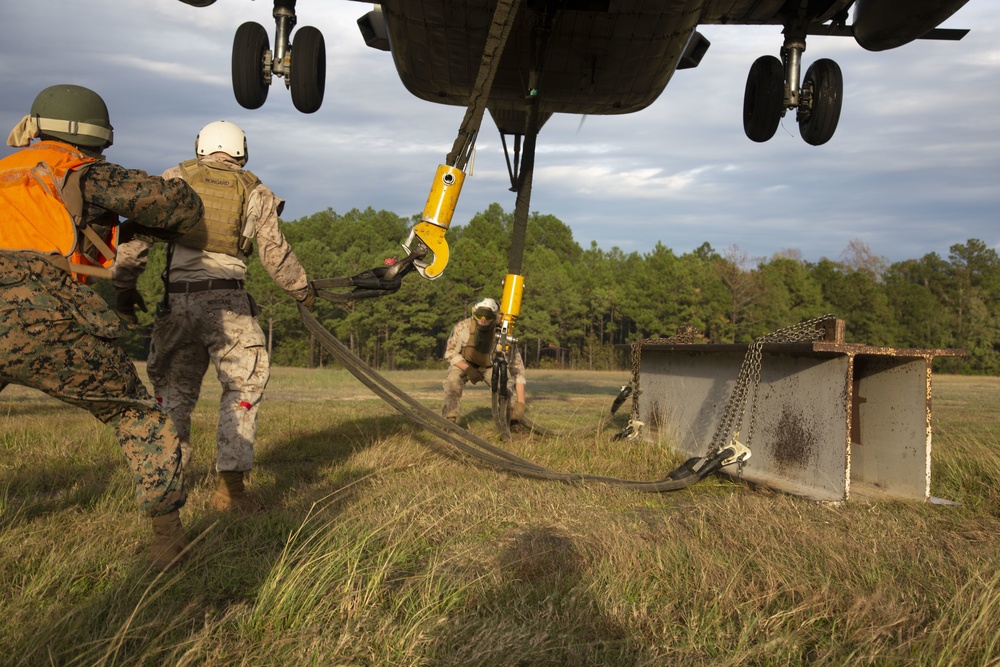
{"points": [[913, 167]]}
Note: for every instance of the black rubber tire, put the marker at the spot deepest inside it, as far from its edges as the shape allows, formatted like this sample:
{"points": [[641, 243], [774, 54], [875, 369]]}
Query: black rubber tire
{"points": [[823, 86], [763, 98], [249, 47], [308, 75]]}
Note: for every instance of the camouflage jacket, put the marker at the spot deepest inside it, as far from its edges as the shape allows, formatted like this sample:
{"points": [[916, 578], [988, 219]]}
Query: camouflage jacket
{"points": [[460, 336], [163, 209]]}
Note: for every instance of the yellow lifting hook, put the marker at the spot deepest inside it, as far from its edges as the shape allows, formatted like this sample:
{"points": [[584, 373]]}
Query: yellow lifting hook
{"points": [[436, 219]]}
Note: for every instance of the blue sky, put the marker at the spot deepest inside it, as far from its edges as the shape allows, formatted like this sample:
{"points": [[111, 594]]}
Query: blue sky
{"points": [[914, 166]]}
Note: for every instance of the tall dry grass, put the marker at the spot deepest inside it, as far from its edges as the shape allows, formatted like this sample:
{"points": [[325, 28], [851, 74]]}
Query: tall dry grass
{"points": [[373, 549]]}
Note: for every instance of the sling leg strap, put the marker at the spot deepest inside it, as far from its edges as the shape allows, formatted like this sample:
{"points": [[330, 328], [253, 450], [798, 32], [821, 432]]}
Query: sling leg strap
{"points": [[469, 445], [503, 22]]}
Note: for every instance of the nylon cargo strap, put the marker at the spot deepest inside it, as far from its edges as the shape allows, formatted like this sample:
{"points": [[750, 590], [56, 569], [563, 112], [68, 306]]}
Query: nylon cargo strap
{"points": [[503, 22], [380, 281], [385, 280], [470, 445]]}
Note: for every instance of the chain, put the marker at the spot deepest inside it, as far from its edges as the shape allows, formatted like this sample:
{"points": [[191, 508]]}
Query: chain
{"points": [[686, 335], [748, 380]]}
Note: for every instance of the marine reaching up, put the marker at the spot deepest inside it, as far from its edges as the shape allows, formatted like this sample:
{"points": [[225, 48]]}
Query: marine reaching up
{"points": [[61, 205]]}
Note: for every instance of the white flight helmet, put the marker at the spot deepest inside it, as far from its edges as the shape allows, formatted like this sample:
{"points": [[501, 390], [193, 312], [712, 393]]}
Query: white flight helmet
{"points": [[222, 136], [485, 305]]}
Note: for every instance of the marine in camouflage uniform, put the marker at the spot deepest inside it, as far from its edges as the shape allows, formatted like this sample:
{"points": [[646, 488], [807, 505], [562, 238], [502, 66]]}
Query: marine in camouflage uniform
{"points": [[213, 319], [58, 336], [468, 353]]}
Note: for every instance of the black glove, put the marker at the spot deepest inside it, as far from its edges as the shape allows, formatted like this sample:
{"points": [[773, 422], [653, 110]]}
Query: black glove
{"points": [[126, 301], [474, 374], [309, 301]]}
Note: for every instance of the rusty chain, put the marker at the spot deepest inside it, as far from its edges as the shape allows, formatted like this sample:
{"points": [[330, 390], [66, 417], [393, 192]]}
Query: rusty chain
{"points": [[748, 381], [686, 334]]}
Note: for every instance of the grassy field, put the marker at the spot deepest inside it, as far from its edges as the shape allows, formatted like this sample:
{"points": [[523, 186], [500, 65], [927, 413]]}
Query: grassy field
{"points": [[371, 548]]}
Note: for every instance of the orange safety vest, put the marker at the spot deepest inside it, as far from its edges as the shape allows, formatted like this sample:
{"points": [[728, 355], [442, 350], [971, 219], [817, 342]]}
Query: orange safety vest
{"points": [[40, 211]]}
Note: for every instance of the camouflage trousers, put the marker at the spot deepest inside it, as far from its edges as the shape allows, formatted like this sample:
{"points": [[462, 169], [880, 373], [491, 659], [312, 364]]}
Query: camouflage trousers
{"points": [[454, 385], [216, 326], [58, 337]]}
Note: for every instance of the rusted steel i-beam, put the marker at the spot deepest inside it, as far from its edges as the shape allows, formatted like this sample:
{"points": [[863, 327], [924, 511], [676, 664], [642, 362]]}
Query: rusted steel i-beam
{"points": [[834, 420]]}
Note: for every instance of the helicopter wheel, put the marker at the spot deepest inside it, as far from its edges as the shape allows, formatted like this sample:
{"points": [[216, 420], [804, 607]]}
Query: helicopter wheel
{"points": [[823, 93], [308, 75], [763, 98], [250, 82]]}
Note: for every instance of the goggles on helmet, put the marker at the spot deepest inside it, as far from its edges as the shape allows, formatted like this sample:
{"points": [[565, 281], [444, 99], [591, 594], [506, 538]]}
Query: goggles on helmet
{"points": [[484, 315]]}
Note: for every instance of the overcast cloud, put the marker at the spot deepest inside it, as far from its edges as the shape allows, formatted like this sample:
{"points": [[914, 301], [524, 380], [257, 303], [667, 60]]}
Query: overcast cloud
{"points": [[914, 166]]}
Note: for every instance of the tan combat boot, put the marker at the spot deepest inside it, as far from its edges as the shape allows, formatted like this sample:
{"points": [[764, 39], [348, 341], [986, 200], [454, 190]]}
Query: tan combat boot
{"points": [[168, 541], [230, 493]]}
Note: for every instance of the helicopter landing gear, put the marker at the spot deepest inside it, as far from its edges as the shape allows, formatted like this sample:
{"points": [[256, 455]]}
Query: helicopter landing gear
{"points": [[301, 63], [773, 87]]}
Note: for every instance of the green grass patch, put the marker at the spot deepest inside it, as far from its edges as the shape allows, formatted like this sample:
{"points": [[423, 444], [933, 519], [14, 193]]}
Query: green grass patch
{"points": [[374, 549]]}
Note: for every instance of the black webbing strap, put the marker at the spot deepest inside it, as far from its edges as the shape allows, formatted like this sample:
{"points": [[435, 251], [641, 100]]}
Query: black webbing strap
{"points": [[503, 21], [692, 471], [371, 283]]}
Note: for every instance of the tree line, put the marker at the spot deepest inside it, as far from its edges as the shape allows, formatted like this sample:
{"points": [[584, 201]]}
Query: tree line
{"points": [[583, 307]]}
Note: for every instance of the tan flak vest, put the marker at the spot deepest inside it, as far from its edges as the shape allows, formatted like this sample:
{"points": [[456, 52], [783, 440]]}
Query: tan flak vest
{"points": [[478, 352], [223, 191]]}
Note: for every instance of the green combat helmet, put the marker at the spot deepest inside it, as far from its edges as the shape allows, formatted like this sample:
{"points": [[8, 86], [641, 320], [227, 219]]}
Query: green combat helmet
{"points": [[76, 115]]}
